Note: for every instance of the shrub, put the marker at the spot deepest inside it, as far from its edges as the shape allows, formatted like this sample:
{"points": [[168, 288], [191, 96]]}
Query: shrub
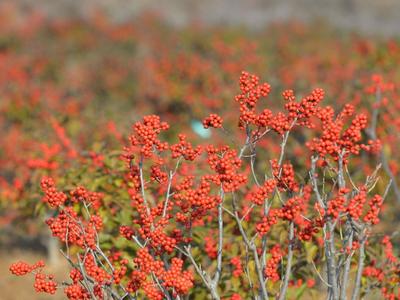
{"points": [[225, 221]]}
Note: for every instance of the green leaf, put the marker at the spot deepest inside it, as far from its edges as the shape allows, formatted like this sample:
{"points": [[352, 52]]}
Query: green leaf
{"points": [[300, 291]]}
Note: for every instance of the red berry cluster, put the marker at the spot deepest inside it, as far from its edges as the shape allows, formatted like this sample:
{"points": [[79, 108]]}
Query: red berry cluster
{"points": [[375, 205], [151, 291], [292, 209], [185, 149], [174, 278], [158, 239], [21, 268], [151, 224], [373, 146], [156, 174], [284, 176], [45, 284], [82, 195], [213, 120], [334, 138], [374, 272], [260, 193], [237, 264], [299, 113], [279, 123], [76, 292], [271, 269], [336, 205], [96, 272], [309, 229], [302, 111], [264, 226], [389, 250], [225, 162], [75, 275], [127, 232], [235, 297], [145, 136], [198, 198], [72, 229], [356, 204], [251, 92], [210, 247], [120, 272], [52, 196]]}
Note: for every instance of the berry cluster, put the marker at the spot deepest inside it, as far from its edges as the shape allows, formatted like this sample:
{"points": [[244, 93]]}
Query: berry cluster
{"points": [[145, 136], [173, 278], [251, 92], [72, 229], [356, 204], [82, 195], [225, 162], [213, 120], [265, 224], [271, 269], [284, 176], [43, 283], [260, 193], [237, 264], [210, 247], [335, 139], [185, 149], [292, 209], [375, 205], [52, 196], [302, 111], [76, 292], [21, 268], [336, 205]]}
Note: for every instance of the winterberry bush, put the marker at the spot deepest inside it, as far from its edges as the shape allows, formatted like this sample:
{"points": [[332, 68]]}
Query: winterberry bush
{"points": [[231, 218]]}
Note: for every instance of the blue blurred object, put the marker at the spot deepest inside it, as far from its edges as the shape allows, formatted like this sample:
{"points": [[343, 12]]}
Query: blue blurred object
{"points": [[198, 128]]}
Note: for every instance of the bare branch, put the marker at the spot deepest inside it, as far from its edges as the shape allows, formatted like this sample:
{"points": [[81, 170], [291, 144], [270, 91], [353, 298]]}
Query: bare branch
{"points": [[283, 291]]}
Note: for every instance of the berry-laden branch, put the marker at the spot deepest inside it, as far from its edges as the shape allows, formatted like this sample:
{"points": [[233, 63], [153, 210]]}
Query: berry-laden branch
{"points": [[224, 222]]}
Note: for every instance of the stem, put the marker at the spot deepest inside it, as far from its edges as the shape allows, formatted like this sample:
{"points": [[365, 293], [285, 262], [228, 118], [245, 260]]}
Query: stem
{"points": [[282, 293], [247, 271], [341, 180], [264, 239], [220, 240], [346, 271], [333, 293], [203, 275], [252, 246], [348, 235], [142, 186], [263, 289], [314, 182], [361, 258], [168, 194]]}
